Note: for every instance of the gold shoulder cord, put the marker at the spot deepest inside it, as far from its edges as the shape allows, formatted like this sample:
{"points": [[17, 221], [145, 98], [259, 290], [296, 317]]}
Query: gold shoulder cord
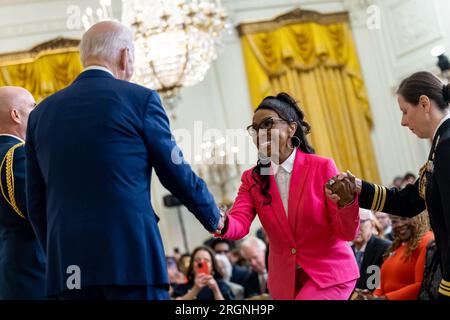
{"points": [[427, 167], [423, 181], [9, 173]]}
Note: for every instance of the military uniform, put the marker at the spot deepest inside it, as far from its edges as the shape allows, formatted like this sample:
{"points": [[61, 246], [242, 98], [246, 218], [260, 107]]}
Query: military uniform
{"points": [[431, 191], [22, 260]]}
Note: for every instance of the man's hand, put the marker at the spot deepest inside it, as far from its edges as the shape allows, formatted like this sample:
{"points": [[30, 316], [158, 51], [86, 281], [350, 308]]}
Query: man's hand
{"points": [[223, 217]]}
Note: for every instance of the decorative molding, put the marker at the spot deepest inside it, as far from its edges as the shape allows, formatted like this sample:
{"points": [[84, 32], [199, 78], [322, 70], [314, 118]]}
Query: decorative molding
{"points": [[414, 23], [257, 5], [293, 17], [53, 46]]}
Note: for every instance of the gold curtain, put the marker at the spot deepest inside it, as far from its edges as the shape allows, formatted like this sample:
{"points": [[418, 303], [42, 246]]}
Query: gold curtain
{"points": [[43, 74], [318, 65]]}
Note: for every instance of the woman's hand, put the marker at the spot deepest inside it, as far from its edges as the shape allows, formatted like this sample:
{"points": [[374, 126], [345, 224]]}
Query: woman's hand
{"points": [[201, 280], [221, 228], [341, 189], [212, 284], [363, 295]]}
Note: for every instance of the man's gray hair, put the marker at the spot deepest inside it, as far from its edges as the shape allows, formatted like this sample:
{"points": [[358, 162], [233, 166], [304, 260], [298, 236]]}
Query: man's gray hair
{"points": [[251, 242], [105, 45], [227, 266]]}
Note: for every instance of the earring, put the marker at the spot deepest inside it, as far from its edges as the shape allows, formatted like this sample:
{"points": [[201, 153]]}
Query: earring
{"points": [[296, 145]]}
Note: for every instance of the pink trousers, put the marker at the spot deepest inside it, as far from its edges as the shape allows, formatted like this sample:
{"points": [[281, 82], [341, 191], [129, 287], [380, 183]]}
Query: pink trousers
{"points": [[306, 289]]}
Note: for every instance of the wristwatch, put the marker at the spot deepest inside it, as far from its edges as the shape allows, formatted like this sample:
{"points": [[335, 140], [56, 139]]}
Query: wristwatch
{"points": [[222, 218]]}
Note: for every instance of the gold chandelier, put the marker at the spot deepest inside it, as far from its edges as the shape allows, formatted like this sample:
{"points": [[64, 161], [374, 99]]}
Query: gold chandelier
{"points": [[175, 40]]}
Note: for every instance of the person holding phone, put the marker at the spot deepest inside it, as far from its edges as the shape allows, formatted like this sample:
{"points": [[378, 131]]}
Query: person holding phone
{"points": [[204, 279], [309, 257]]}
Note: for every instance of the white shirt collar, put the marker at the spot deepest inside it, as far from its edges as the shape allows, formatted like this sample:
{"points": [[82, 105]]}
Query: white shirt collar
{"points": [[288, 164], [11, 135], [99, 68], [440, 124]]}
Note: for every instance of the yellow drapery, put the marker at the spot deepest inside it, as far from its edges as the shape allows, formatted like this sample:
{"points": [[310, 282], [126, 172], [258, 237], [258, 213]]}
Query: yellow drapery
{"points": [[318, 65], [44, 74]]}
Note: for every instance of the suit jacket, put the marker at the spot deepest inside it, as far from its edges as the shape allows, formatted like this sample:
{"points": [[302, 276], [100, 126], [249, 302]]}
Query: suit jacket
{"points": [[91, 148], [22, 260], [373, 255], [239, 274], [314, 235], [252, 286], [431, 191]]}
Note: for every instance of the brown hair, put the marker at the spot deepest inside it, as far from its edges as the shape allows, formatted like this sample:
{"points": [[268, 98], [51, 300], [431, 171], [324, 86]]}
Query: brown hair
{"points": [[425, 83], [215, 271]]}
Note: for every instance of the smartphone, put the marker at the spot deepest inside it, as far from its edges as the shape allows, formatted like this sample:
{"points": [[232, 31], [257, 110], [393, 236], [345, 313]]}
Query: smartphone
{"points": [[201, 267]]}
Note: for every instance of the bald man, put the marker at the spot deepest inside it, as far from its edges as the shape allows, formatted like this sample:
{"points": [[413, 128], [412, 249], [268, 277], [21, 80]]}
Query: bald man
{"points": [[91, 149], [22, 260]]}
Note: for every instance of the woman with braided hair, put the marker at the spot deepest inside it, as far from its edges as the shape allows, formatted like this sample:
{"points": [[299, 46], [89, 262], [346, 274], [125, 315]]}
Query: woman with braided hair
{"points": [[424, 102], [404, 261], [309, 258]]}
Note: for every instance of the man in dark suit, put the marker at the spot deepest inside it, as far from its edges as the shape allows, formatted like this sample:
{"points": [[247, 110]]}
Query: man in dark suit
{"points": [[254, 251], [91, 148], [368, 248], [22, 260]]}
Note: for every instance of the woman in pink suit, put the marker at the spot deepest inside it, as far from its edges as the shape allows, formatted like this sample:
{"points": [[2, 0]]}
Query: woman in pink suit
{"points": [[309, 256]]}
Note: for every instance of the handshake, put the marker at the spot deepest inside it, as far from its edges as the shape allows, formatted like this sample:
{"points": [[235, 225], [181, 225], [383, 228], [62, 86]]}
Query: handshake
{"points": [[342, 189], [223, 210]]}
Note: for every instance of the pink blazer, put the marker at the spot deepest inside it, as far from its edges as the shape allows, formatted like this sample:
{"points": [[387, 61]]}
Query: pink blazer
{"points": [[315, 234]]}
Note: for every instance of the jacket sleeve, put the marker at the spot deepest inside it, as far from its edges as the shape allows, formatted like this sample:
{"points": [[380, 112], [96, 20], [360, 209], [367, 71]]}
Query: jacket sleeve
{"points": [[172, 170], [36, 190], [410, 292], [405, 203], [442, 174], [345, 221], [242, 213]]}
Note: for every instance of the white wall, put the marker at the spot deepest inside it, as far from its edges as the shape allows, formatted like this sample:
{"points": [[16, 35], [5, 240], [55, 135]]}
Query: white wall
{"points": [[221, 100], [399, 47]]}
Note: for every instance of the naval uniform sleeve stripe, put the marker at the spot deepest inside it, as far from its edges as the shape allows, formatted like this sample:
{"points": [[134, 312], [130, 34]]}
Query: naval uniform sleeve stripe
{"points": [[444, 292], [443, 286], [383, 201], [445, 283], [380, 195], [375, 196]]}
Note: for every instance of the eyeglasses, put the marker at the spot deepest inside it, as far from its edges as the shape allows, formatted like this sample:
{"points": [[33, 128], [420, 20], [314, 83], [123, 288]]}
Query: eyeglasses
{"points": [[266, 124], [222, 251]]}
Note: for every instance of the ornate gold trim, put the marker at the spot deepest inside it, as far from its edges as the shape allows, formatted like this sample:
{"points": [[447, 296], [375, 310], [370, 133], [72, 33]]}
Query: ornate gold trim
{"points": [[57, 45], [292, 17]]}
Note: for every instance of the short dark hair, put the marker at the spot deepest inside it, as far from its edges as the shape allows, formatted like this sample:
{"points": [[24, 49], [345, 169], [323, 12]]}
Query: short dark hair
{"points": [[409, 175], [219, 241]]}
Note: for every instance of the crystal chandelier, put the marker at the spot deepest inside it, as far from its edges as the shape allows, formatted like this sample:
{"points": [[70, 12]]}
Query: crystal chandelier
{"points": [[175, 40]]}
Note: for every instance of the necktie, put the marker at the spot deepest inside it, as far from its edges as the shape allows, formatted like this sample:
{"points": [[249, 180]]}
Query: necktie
{"points": [[359, 258]]}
